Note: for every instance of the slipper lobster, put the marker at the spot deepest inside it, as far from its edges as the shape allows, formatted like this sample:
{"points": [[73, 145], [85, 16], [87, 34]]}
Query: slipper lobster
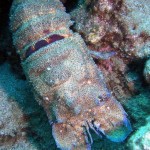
{"points": [[64, 78]]}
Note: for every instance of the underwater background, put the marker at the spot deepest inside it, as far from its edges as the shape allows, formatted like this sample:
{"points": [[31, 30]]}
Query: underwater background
{"points": [[105, 25]]}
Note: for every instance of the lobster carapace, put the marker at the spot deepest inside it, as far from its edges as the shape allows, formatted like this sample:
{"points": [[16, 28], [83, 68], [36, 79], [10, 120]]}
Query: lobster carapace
{"points": [[64, 78]]}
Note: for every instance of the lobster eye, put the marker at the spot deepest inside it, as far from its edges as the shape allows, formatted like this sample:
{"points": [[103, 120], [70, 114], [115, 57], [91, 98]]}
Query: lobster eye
{"points": [[100, 99]]}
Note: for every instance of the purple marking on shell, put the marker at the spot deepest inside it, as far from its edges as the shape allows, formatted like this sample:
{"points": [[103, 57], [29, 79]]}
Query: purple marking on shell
{"points": [[55, 37], [43, 43], [40, 44]]}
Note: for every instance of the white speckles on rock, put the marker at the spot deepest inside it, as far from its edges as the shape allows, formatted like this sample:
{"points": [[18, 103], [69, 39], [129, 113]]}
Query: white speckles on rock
{"points": [[89, 82], [60, 131], [48, 68], [46, 98], [108, 108]]}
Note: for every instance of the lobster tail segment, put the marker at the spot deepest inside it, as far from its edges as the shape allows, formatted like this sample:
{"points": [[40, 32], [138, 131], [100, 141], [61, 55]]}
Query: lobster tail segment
{"points": [[32, 22]]}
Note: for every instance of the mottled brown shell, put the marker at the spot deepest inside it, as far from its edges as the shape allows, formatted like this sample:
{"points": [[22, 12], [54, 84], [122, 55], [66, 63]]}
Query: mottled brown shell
{"points": [[64, 78]]}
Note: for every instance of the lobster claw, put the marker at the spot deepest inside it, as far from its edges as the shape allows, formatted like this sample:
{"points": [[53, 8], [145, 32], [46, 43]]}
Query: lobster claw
{"points": [[111, 120], [108, 119], [120, 131], [68, 137]]}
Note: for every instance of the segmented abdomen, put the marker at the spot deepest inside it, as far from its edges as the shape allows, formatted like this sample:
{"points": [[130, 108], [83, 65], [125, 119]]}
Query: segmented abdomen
{"points": [[33, 21]]}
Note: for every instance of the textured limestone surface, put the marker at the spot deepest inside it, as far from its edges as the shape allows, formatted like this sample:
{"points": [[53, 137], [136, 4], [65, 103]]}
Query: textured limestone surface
{"points": [[140, 140], [11, 115], [141, 19], [23, 124], [136, 22], [13, 121], [118, 24], [121, 26]]}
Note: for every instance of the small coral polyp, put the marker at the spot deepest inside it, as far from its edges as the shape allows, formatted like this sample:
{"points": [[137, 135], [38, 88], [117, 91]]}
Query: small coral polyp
{"points": [[64, 77]]}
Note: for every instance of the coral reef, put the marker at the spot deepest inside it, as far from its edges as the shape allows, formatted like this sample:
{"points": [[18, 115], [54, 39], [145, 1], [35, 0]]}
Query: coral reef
{"points": [[140, 140], [119, 26], [136, 21], [13, 122], [23, 124], [11, 115]]}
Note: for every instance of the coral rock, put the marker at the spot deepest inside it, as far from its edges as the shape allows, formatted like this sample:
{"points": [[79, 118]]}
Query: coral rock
{"points": [[136, 23], [141, 139], [19, 115], [120, 26]]}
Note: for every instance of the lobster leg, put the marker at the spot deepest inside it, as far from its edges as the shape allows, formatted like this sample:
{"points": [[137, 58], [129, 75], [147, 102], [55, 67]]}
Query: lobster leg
{"points": [[101, 55], [71, 137]]}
